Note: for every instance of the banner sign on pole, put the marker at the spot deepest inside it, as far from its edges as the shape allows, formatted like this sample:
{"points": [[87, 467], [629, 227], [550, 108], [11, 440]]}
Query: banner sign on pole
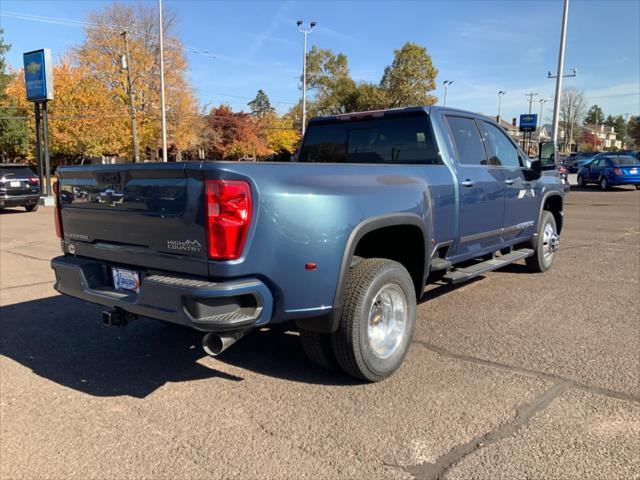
{"points": [[528, 122], [38, 75]]}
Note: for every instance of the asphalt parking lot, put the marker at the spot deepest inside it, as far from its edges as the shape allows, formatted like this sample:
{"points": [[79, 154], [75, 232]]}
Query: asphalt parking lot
{"points": [[514, 375]]}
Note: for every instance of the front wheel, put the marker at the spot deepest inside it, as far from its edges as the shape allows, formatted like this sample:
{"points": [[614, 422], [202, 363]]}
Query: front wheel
{"points": [[31, 208], [546, 244], [637, 187], [604, 184], [581, 182], [378, 319]]}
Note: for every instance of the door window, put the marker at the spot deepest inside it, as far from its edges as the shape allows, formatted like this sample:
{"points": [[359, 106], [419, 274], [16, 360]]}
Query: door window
{"points": [[501, 150], [467, 141]]}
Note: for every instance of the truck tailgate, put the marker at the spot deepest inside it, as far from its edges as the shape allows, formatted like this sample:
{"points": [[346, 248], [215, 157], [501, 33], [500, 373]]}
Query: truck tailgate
{"points": [[142, 214]]}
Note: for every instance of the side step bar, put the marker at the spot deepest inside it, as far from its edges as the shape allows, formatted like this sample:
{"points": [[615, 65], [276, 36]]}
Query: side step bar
{"points": [[459, 275]]}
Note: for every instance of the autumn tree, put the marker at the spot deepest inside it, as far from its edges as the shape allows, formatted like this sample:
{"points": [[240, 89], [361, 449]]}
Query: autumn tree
{"points": [[101, 51], [281, 136], [411, 77], [14, 134], [84, 118], [261, 106], [234, 135]]}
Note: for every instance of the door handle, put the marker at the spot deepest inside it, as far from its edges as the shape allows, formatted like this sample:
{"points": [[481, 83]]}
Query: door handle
{"points": [[467, 183], [509, 181]]}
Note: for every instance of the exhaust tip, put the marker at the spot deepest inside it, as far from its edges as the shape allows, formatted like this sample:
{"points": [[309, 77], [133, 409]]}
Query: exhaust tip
{"points": [[216, 343], [212, 344]]}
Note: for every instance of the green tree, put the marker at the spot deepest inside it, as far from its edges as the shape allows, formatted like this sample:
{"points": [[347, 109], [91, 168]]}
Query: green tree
{"points": [[411, 77], [261, 106], [329, 81], [594, 115], [14, 133], [619, 127], [634, 132]]}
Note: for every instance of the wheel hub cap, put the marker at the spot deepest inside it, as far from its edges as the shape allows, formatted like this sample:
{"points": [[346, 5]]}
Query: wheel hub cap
{"points": [[387, 321], [550, 241]]}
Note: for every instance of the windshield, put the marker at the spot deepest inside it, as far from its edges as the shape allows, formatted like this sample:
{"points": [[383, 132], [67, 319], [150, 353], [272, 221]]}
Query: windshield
{"points": [[394, 139], [624, 161]]}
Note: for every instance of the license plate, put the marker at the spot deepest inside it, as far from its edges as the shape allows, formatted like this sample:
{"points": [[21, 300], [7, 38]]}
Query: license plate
{"points": [[14, 184], [633, 171], [124, 279]]}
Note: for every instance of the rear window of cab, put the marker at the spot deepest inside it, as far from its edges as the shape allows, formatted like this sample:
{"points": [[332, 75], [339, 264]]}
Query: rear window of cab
{"points": [[406, 139]]}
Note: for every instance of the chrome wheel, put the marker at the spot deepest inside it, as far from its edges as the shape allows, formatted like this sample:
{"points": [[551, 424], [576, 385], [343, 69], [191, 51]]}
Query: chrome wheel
{"points": [[550, 241], [387, 321]]}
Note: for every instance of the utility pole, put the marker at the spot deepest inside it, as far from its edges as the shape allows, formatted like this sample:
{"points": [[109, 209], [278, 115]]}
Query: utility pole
{"points": [[556, 100], [304, 71], [446, 84], [500, 94], [126, 64], [542, 102], [530, 95], [162, 105]]}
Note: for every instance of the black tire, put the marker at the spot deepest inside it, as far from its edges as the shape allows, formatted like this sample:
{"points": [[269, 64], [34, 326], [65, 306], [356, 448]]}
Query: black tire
{"points": [[318, 349], [351, 343], [581, 182], [637, 187], [538, 262], [31, 208], [604, 184]]}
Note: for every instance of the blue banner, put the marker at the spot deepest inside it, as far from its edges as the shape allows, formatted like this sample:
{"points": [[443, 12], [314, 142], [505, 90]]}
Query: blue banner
{"points": [[528, 122]]}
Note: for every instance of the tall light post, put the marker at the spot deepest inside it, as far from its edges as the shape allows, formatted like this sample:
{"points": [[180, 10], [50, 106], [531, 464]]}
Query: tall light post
{"points": [[446, 84], [125, 64], [162, 105], [556, 100], [305, 32], [542, 102], [500, 94]]}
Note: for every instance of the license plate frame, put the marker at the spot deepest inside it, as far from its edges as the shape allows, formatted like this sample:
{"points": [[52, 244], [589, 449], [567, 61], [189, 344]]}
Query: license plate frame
{"points": [[15, 183], [125, 280]]}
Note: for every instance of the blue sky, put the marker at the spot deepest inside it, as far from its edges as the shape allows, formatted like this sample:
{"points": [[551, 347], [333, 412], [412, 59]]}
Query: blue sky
{"points": [[483, 47]]}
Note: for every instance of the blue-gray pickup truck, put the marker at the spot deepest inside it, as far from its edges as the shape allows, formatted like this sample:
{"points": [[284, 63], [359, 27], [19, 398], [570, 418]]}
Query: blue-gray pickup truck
{"points": [[341, 241]]}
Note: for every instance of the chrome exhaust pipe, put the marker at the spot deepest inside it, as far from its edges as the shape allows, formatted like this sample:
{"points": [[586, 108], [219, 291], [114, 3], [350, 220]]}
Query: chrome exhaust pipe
{"points": [[216, 343]]}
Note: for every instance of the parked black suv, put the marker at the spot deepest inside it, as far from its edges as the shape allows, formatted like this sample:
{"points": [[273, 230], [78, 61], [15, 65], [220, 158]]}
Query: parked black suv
{"points": [[19, 187]]}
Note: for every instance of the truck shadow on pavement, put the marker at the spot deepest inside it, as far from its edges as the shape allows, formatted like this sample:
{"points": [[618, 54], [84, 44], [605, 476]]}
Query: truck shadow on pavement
{"points": [[64, 340]]}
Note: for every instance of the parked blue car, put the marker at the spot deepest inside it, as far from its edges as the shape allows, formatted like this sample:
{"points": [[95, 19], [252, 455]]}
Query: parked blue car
{"points": [[611, 170]]}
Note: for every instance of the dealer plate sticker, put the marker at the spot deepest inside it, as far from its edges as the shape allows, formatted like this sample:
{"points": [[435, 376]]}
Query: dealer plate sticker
{"points": [[633, 171], [124, 279]]}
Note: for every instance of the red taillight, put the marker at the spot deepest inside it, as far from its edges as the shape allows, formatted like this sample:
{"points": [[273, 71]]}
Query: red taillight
{"points": [[617, 171], [228, 204], [57, 213], [35, 180]]}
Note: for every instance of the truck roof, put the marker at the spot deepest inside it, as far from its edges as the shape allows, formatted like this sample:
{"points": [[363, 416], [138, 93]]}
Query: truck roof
{"points": [[392, 112]]}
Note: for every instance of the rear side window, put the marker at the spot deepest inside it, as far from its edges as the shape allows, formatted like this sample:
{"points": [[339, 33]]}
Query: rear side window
{"points": [[404, 139], [467, 141], [624, 161], [501, 150], [16, 172]]}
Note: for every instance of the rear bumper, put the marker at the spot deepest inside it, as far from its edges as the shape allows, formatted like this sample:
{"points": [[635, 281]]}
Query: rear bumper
{"points": [[203, 305], [18, 200]]}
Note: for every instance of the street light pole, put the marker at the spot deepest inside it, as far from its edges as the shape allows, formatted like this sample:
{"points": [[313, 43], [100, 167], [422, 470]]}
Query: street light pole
{"points": [[304, 71], [162, 105], [556, 100], [446, 84], [132, 111], [500, 94]]}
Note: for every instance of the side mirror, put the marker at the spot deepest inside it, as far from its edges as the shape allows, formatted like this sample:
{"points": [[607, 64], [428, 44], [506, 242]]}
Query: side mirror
{"points": [[547, 155], [533, 172]]}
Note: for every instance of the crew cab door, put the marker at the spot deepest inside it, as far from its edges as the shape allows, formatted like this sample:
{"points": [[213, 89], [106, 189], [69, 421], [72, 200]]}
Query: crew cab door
{"points": [[520, 201], [481, 188]]}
